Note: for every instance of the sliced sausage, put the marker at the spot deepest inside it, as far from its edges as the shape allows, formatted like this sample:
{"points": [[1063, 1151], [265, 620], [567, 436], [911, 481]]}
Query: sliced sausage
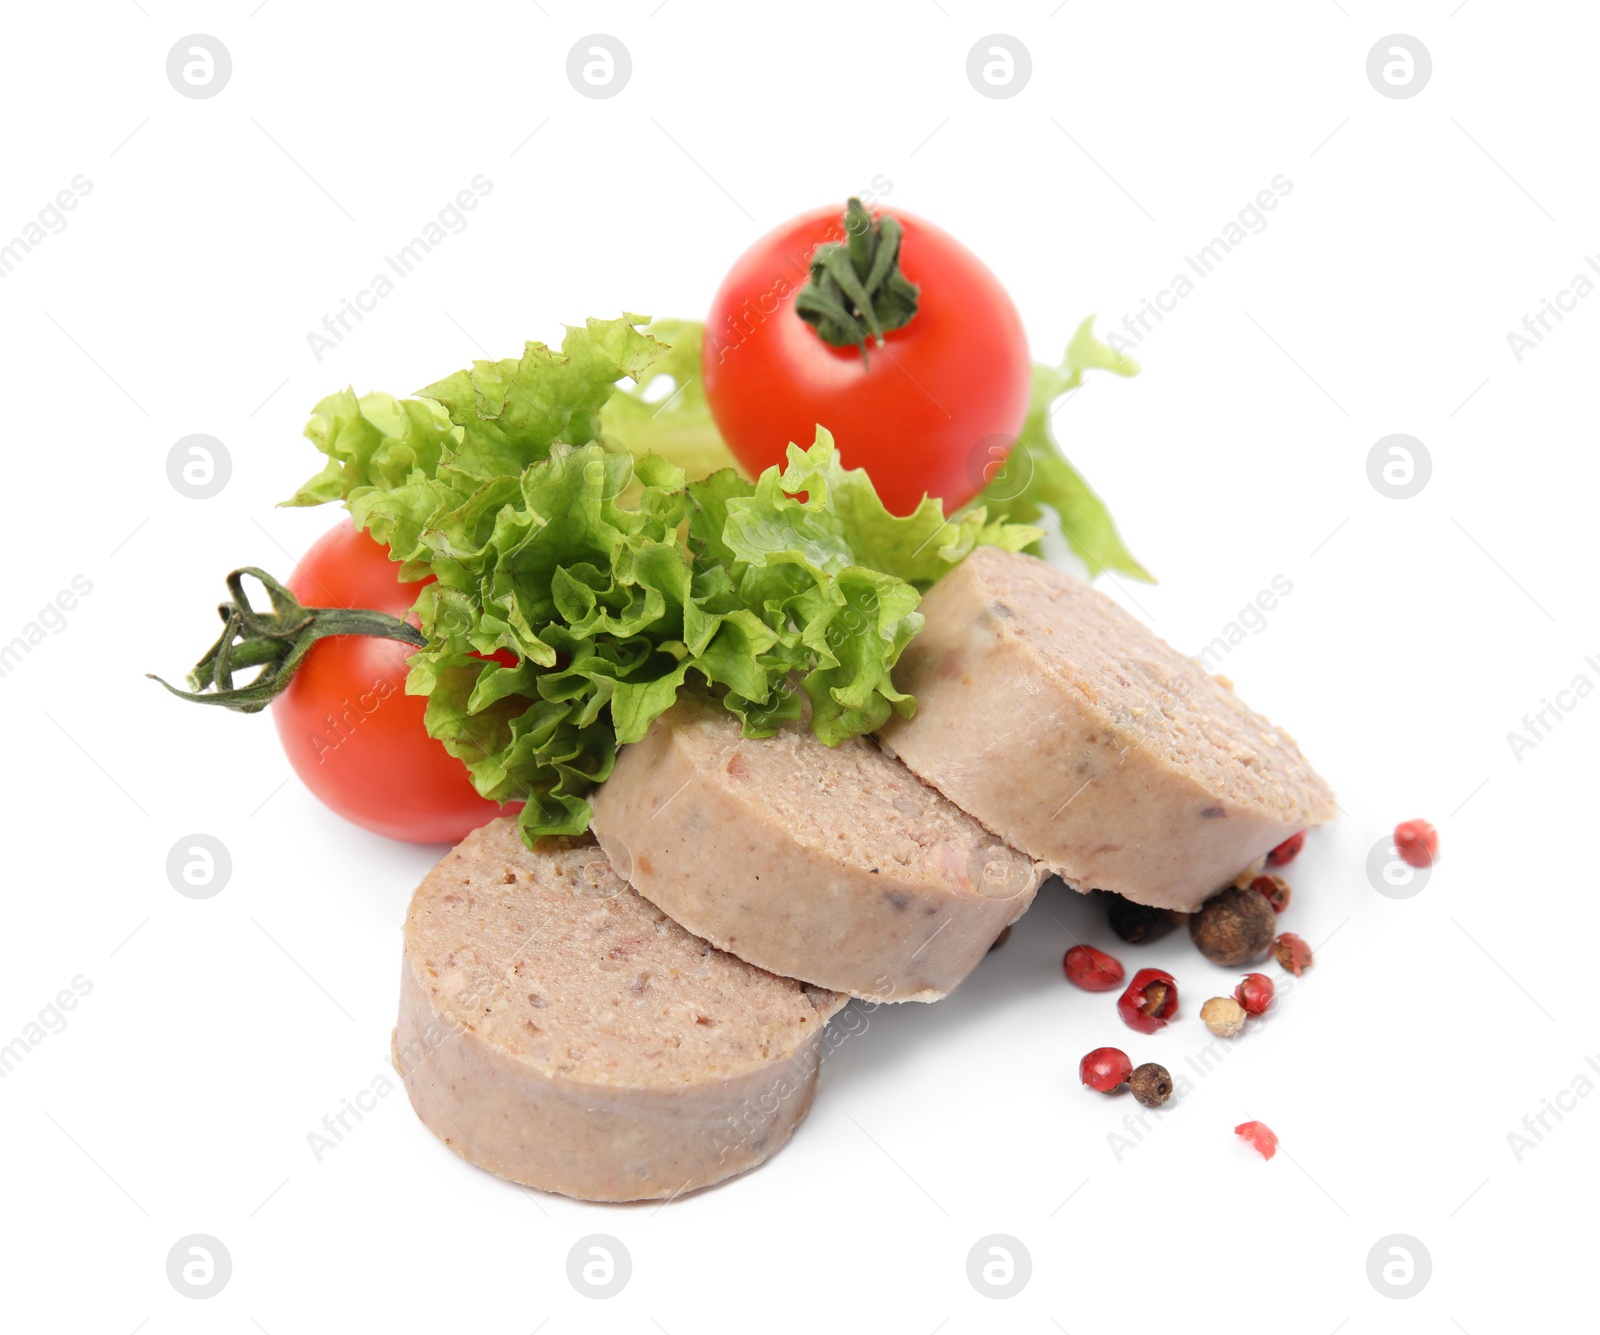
{"points": [[562, 1032], [832, 864], [1069, 728]]}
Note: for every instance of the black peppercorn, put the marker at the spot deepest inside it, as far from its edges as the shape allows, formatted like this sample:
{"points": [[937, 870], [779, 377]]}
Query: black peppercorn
{"points": [[1135, 923], [1151, 1084], [1234, 927]]}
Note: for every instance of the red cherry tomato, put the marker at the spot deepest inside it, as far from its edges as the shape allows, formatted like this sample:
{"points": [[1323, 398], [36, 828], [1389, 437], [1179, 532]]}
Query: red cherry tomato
{"points": [[935, 410], [352, 734]]}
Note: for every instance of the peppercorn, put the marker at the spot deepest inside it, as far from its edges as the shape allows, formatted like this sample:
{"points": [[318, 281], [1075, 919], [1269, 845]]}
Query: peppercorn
{"points": [[1105, 1069], [1417, 842], [1150, 1001], [1275, 888], [1287, 851], [1223, 1016], [1255, 993], [1234, 926], [1137, 923], [1293, 953], [1151, 1084], [1092, 970], [1260, 1136]]}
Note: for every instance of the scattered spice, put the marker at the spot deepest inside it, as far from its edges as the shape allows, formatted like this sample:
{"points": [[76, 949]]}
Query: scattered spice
{"points": [[1274, 888], [1287, 851], [1255, 993], [1151, 1084], [1416, 842], [1223, 1016], [1293, 953], [1234, 926], [1105, 1069], [1137, 923], [1150, 1001], [1092, 970], [1260, 1135]]}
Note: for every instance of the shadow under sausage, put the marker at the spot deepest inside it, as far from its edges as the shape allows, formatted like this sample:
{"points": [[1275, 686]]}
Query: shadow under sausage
{"points": [[868, 1041]]}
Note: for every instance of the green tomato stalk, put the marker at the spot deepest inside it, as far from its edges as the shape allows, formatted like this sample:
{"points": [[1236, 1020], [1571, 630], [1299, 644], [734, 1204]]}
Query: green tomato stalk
{"points": [[856, 287], [275, 641]]}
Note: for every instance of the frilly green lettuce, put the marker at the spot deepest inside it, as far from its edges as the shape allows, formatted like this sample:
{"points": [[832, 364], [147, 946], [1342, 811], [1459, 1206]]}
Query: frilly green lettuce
{"points": [[1036, 477]]}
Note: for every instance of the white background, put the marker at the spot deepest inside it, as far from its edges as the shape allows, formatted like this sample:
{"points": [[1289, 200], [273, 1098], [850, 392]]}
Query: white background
{"points": [[219, 1032]]}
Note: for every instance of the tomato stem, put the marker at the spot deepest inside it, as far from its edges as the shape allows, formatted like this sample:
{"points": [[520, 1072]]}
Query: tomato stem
{"points": [[275, 641], [856, 287]]}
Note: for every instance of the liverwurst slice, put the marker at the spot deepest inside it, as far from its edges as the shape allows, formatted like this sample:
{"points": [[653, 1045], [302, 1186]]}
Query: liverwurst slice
{"points": [[832, 864], [562, 1032], [1074, 732]]}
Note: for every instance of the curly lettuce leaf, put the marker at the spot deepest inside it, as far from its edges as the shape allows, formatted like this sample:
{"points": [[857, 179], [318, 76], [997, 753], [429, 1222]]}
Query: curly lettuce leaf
{"points": [[510, 412], [376, 441], [1037, 478], [826, 516], [489, 421], [569, 609], [591, 601], [666, 412], [813, 548], [600, 608]]}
